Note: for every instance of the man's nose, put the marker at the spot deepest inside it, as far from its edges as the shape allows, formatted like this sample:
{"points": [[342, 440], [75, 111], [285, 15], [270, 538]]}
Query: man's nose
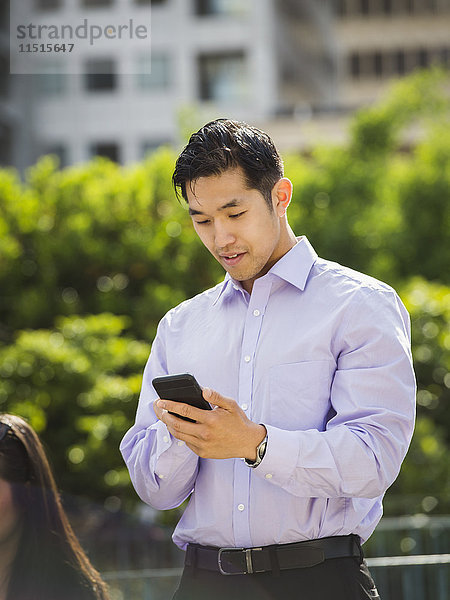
{"points": [[223, 236]]}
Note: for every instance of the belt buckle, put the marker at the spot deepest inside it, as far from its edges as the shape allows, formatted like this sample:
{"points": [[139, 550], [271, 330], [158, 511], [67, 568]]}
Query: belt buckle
{"points": [[248, 560]]}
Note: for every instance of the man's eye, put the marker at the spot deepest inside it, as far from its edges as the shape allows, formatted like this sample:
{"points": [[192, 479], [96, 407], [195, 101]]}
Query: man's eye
{"points": [[205, 222], [236, 215]]}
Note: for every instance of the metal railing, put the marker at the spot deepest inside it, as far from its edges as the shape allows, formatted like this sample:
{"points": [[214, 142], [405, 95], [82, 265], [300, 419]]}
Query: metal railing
{"points": [[408, 557], [419, 577], [143, 584]]}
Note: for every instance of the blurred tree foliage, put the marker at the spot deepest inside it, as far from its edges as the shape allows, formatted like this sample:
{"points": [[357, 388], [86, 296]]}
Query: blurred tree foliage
{"points": [[373, 204], [96, 238], [92, 256], [424, 481], [78, 383]]}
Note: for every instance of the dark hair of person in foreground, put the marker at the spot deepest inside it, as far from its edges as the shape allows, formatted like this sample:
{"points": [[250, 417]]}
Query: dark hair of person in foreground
{"points": [[226, 144], [40, 556]]}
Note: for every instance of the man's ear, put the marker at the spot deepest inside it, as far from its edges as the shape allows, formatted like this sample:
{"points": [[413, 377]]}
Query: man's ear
{"points": [[282, 195]]}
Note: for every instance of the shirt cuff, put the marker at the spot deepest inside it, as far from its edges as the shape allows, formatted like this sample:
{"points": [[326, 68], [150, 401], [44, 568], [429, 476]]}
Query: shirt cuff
{"points": [[171, 453], [281, 457]]}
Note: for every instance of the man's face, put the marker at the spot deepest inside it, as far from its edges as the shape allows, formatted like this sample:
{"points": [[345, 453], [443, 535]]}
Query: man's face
{"points": [[236, 225]]}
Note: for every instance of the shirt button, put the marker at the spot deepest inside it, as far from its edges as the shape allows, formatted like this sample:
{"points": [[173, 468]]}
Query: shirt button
{"points": [[181, 443], [256, 312], [161, 476], [268, 475], [241, 507], [165, 439], [244, 406], [247, 358]]}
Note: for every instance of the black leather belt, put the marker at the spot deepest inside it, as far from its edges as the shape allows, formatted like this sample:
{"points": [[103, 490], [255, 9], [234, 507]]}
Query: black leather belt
{"points": [[243, 561]]}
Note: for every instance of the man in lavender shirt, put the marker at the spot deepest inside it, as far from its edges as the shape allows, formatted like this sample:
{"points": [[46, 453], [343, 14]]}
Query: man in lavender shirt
{"points": [[307, 365]]}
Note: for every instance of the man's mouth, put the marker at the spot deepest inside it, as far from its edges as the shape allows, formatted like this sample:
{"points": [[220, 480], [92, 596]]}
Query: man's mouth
{"points": [[232, 259]]}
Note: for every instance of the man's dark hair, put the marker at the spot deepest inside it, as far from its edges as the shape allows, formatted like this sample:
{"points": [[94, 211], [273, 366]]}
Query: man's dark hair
{"points": [[225, 144]]}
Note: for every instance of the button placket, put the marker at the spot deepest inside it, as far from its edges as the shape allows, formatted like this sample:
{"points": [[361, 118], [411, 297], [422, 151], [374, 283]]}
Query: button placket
{"points": [[242, 475]]}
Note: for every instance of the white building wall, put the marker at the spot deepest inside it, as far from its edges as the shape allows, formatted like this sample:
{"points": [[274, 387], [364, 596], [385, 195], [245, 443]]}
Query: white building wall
{"points": [[408, 33], [131, 116]]}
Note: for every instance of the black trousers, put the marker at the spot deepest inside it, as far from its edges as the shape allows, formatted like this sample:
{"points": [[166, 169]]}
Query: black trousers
{"points": [[335, 579]]}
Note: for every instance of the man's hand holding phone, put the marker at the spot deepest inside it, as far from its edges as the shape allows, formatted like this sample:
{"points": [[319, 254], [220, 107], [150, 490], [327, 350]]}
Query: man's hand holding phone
{"points": [[223, 432]]}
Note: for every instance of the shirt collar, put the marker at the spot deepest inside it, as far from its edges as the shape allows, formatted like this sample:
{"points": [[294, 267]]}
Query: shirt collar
{"points": [[294, 268], [228, 286], [295, 265]]}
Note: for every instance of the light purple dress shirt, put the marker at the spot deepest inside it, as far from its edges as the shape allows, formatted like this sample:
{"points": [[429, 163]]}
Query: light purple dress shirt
{"points": [[319, 354]]}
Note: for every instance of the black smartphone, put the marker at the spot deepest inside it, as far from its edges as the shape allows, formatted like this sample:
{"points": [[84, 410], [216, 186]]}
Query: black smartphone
{"points": [[181, 388]]}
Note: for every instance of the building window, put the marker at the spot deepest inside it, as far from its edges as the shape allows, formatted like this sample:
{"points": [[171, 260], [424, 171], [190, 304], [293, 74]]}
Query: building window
{"points": [[100, 75], [150, 2], [6, 144], [53, 82], [106, 149], [154, 73], [345, 8], [222, 77], [444, 57], [355, 65], [400, 62], [340, 8], [4, 76], [4, 17], [58, 150], [47, 4], [423, 58], [150, 146], [220, 7], [96, 3], [378, 64], [364, 7]]}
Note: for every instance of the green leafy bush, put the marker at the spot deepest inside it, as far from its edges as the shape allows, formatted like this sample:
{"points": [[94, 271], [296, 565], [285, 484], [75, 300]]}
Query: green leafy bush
{"points": [[78, 385], [96, 238], [375, 208], [424, 481]]}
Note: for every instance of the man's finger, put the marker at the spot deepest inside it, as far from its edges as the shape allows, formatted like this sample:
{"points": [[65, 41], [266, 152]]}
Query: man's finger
{"points": [[216, 399], [159, 412], [182, 409]]}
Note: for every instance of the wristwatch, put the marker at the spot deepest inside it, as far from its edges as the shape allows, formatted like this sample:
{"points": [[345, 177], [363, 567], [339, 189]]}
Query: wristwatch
{"points": [[260, 452]]}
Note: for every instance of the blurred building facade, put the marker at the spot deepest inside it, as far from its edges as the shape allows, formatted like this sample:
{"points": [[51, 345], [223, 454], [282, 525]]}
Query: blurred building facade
{"points": [[297, 68]]}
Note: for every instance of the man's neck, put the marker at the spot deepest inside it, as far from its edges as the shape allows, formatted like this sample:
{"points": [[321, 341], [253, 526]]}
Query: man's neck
{"points": [[289, 241]]}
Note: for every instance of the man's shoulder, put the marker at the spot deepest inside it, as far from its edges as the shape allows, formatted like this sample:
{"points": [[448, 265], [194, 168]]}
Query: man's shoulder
{"points": [[197, 304], [345, 279]]}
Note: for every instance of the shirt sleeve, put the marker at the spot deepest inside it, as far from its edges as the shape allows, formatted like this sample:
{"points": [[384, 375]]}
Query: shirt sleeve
{"points": [[162, 469], [372, 398]]}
